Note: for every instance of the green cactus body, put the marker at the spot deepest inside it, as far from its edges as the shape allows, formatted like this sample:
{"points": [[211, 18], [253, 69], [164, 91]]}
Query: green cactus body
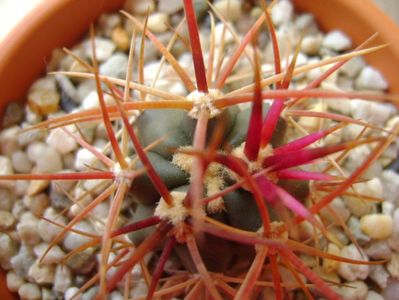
{"points": [[239, 208]]}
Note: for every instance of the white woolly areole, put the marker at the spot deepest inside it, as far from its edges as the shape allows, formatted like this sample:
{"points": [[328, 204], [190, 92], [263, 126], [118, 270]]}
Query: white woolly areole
{"points": [[176, 213], [213, 178], [204, 101], [122, 175], [254, 166]]}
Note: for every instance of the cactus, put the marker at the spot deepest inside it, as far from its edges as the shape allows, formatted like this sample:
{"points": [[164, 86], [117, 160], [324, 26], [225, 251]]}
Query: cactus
{"points": [[219, 185]]}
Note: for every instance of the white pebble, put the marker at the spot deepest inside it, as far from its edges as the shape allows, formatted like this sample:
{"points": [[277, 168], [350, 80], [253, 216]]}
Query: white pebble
{"points": [[222, 35], [371, 79], [70, 292], [352, 67], [311, 44], [393, 266], [83, 159], [170, 6], [49, 161], [104, 48], [139, 7], [73, 240], [6, 169], [14, 281], [9, 140], [377, 226], [282, 12], [115, 66], [41, 274], [390, 181], [7, 220], [53, 256], [379, 250], [21, 162], [379, 275], [229, 9], [62, 278], [336, 40], [352, 272], [48, 231], [6, 201], [28, 232], [375, 113], [157, 22], [356, 290], [391, 292], [372, 295], [61, 141], [30, 291], [7, 250]]}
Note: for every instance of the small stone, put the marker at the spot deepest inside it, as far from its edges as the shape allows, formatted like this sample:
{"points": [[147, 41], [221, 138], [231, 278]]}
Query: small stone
{"points": [[372, 295], [387, 208], [6, 202], [67, 88], [104, 48], [83, 159], [108, 22], [372, 112], [41, 274], [356, 290], [44, 83], [140, 7], [62, 279], [21, 162], [330, 265], [311, 44], [22, 261], [170, 6], [48, 231], [336, 40], [30, 291], [74, 240], [7, 250], [49, 162], [393, 266], [379, 275], [71, 292], [352, 272], [121, 38], [338, 206], [53, 256], [9, 140], [13, 115], [14, 281], [391, 292], [371, 79], [390, 181], [282, 12], [115, 66], [7, 220], [61, 141], [229, 9], [37, 186], [157, 22], [6, 169], [379, 250], [83, 262], [377, 226], [44, 102], [352, 67], [48, 294], [28, 232]]}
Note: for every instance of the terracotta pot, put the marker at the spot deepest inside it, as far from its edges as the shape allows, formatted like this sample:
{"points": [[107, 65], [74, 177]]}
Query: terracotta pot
{"points": [[60, 23]]}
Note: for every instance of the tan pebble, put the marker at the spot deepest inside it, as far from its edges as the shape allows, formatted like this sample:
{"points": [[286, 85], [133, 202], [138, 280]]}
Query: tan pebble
{"points": [[44, 102], [330, 265], [6, 169], [14, 281], [7, 220], [121, 38], [230, 9], [37, 186], [157, 22], [393, 266], [41, 274], [30, 291], [376, 226]]}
